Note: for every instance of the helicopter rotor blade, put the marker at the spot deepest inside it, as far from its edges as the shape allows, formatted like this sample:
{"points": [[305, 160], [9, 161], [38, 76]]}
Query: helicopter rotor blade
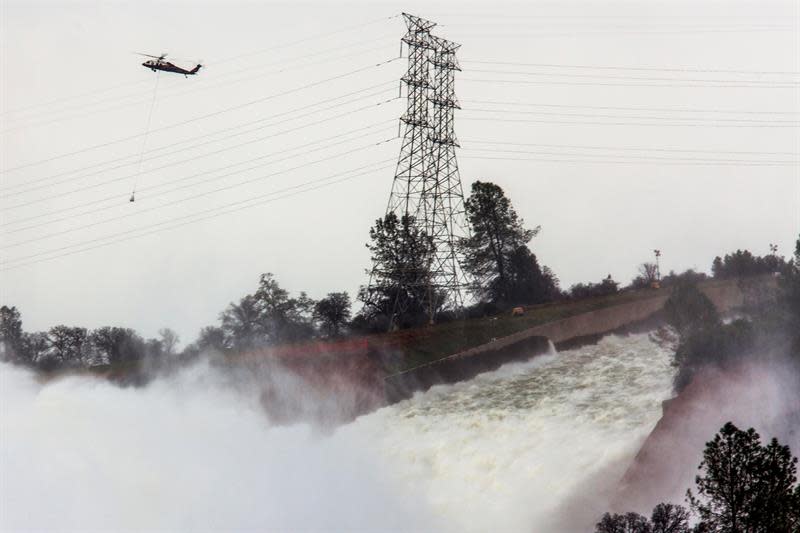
{"points": [[162, 56]]}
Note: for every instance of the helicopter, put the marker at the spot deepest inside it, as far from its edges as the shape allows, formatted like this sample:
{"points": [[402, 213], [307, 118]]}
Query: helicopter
{"points": [[158, 63]]}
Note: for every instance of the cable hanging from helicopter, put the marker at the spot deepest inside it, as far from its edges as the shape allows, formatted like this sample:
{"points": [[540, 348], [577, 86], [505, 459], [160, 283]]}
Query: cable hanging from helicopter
{"points": [[157, 64]]}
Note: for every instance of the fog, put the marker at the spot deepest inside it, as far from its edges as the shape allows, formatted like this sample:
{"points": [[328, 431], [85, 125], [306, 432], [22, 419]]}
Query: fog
{"points": [[184, 453]]}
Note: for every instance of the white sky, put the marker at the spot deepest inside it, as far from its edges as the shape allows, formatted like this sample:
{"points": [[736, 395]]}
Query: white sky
{"points": [[612, 185]]}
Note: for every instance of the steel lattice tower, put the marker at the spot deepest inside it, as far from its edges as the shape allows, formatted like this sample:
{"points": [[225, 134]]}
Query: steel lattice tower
{"points": [[446, 217], [409, 178], [427, 184]]}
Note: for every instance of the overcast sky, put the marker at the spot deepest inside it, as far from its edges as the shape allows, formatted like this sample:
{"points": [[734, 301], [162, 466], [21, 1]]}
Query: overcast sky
{"points": [[617, 127]]}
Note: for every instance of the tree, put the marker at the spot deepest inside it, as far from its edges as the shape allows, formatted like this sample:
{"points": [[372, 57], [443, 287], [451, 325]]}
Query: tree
{"points": [[528, 283], [669, 518], [648, 274], [267, 316], [627, 523], [242, 325], [299, 324], [687, 276], [117, 345], [401, 257], [67, 345], [11, 335], [743, 263], [666, 518], [211, 338], [35, 347], [789, 301], [333, 313], [497, 234], [704, 339], [169, 341], [717, 268], [154, 350], [688, 308], [593, 290], [746, 487], [283, 319], [609, 286]]}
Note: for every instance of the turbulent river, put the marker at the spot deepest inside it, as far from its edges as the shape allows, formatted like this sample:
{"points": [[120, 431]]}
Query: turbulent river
{"points": [[532, 446]]}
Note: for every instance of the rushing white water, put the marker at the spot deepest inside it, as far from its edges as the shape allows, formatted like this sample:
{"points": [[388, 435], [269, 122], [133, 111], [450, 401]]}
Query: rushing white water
{"points": [[529, 447], [511, 449]]}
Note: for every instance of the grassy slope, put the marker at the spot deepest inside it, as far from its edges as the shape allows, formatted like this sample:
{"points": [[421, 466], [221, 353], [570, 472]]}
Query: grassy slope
{"points": [[428, 344]]}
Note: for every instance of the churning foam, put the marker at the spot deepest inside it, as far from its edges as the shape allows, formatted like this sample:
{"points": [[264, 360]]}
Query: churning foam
{"points": [[517, 449]]}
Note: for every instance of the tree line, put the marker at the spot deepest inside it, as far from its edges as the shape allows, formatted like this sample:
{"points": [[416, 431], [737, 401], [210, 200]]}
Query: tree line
{"points": [[706, 340], [64, 347], [496, 255], [268, 316]]}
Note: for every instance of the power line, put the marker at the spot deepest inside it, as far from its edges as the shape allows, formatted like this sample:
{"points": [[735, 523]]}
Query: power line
{"points": [[203, 136], [116, 197], [658, 109], [689, 160], [186, 91], [208, 115], [184, 199], [638, 25], [496, 15], [628, 148], [623, 162], [217, 75], [261, 51], [306, 39], [600, 84], [634, 78], [641, 117], [617, 123], [65, 98], [650, 33], [259, 139], [647, 69], [231, 208]]}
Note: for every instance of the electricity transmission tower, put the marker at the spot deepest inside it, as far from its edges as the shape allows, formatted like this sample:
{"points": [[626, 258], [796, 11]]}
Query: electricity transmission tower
{"points": [[427, 184]]}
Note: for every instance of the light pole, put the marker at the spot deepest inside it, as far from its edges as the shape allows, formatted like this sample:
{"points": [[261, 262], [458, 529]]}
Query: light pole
{"points": [[658, 266]]}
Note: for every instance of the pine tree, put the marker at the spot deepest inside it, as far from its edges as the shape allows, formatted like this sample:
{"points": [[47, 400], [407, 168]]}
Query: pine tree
{"points": [[498, 234]]}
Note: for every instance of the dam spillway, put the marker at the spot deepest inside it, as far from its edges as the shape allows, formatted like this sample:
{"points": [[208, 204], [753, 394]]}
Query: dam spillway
{"points": [[531, 446]]}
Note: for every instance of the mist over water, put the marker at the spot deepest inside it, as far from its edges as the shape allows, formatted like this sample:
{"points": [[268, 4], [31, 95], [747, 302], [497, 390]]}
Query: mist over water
{"points": [[517, 449], [189, 453]]}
